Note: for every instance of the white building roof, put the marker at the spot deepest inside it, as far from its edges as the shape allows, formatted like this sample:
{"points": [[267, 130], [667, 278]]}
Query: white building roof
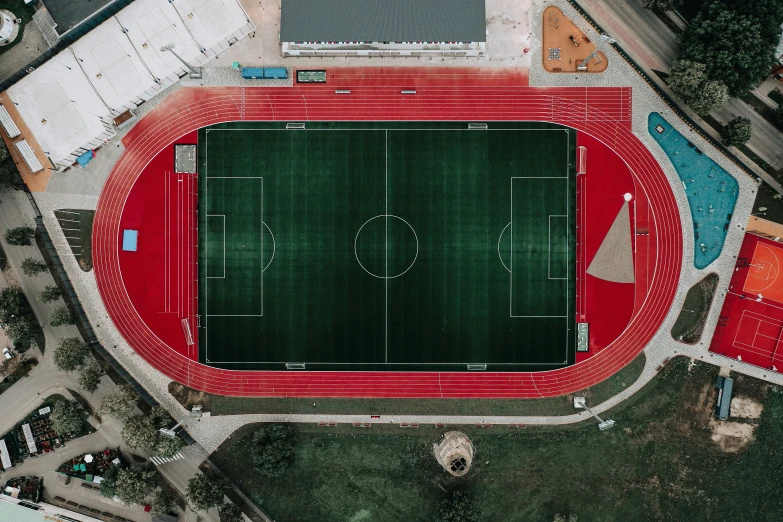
{"points": [[69, 103]]}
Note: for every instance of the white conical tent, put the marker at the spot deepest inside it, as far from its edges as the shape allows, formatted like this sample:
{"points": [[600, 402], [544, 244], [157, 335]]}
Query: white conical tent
{"points": [[614, 259]]}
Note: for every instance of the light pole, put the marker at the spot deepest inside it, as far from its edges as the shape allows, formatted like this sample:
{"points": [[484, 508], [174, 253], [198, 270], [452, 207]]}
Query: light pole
{"points": [[195, 72], [602, 38], [581, 402]]}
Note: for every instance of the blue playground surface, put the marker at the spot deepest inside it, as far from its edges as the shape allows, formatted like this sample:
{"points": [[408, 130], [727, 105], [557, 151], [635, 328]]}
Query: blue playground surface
{"points": [[712, 192]]}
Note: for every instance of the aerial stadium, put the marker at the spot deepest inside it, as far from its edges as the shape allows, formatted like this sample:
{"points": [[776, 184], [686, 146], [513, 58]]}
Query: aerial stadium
{"points": [[393, 231]]}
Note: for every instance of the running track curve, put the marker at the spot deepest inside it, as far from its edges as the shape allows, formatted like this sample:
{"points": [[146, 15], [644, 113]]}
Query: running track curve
{"points": [[602, 112]]}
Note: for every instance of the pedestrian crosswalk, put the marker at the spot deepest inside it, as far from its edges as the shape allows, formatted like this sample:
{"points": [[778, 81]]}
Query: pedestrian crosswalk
{"points": [[163, 460]]}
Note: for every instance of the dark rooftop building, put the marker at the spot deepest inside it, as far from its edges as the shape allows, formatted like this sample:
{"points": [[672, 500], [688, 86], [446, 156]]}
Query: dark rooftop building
{"points": [[723, 403], [362, 24], [69, 13]]}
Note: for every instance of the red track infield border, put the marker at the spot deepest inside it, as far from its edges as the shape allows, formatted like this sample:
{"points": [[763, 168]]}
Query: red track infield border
{"points": [[601, 112]]}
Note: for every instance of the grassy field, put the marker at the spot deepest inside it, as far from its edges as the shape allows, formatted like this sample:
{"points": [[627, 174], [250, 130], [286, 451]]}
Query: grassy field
{"points": [[77, 227], [658, 463], [693, 316], [219, 405], [387, 246]]}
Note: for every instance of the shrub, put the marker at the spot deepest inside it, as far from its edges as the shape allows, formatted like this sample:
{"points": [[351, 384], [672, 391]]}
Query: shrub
{"points": [[20, 236]]}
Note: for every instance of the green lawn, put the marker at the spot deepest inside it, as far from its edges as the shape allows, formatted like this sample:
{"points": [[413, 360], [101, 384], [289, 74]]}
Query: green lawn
{"points": [[387, 246], [658, 463]]}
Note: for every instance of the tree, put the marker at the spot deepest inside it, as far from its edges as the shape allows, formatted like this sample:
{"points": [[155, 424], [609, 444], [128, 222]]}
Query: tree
{"points": [[168, 446], [163, 502], [90, 377], [60, 317], [686, 77], [12, 303], [737, 132], [23, 330], [67, 419], [9, 175], [230, 513], [779, 114], [689, 81], [119, 403], [32, 267], [713, 95], [206, 491], [136, 483], [109, 483], [457, 507], [272, 450], [70, 354], [140, 432], [50, 293], [20, 236], [659, 5], [733, 41]]}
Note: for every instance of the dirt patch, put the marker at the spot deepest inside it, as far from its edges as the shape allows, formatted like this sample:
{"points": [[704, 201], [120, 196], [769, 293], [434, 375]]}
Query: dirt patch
{"points": [[746, 408], [732, 436], [188, 397]]}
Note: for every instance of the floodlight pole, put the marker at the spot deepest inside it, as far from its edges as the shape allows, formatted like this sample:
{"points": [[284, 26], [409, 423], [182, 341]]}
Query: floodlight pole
{"points": [[602, 38], [581, 402], [195, 73]]}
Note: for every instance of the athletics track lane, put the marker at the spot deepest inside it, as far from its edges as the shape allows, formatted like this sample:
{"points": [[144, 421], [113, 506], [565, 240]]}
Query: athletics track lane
{"points": [[191, 108]]}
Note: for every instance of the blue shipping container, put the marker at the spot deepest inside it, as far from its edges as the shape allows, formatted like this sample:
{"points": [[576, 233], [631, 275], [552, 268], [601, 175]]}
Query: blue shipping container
{"points": [[275, 73], [253, 73]]}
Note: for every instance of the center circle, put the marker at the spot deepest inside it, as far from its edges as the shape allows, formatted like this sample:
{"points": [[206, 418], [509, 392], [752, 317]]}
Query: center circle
{"points": [[386, 246]]}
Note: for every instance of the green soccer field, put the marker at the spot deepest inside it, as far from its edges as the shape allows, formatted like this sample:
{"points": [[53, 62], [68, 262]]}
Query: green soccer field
{"points": [[387, 246]]}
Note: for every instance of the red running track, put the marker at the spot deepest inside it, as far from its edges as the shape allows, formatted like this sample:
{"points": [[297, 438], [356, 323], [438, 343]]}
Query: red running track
{"points": [[604, 113]]}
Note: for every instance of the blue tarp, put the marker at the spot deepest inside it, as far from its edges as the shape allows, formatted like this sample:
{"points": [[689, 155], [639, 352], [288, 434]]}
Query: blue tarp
{"points": [[129, 240], [252, 73], [85, 158]]}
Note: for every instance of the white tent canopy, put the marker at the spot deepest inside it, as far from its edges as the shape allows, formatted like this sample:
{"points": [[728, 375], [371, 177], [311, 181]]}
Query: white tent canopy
{"points": [[69, 103]]}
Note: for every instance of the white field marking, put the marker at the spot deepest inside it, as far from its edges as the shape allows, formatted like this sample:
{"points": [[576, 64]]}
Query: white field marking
{"points": [[386, 247], [224, 245], [499, 239], [65, 219], [386, 130], [356, 240], [274, 246], [549, 246], [511, 279]]}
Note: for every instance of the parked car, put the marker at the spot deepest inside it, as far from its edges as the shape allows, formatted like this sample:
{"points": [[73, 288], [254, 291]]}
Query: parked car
{"points": [[8, 353]]}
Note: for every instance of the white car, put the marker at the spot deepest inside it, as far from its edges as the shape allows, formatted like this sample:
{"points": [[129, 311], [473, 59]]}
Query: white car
{"points": [[8, 354]]}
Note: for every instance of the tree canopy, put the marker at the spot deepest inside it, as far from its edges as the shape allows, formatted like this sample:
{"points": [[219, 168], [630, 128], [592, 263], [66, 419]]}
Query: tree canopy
{"points": [[9, 175], [120, 402], [230, 513], [60, 317], [735, 40], [31, 267], [140, 432], [70, 354], [206, 491], [109, 484], [272, 449], [737, 132], [168, 446], [136, 483], [689, 81], [50, 293], [163, 502], [90, 376], [20, 236], [458, 506], [67, 419], [17, 317]]}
